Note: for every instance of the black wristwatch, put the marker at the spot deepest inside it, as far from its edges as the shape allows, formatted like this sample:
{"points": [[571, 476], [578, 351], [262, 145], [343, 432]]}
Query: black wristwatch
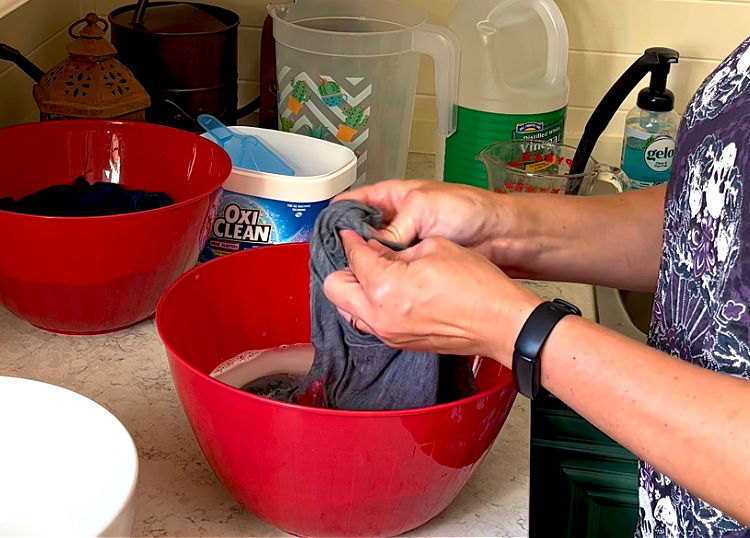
{"points": [[526, 369]]}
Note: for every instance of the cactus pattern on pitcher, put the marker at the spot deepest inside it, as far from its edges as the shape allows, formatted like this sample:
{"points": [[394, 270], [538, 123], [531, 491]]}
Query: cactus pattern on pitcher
{"points": [[317, 131], [355, 117], [299, 95], [286, 124], [330, 93]]}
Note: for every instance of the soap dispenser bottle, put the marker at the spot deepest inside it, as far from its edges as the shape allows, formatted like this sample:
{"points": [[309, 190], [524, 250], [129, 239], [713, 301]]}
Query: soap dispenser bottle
{"points": [[651, 129]]}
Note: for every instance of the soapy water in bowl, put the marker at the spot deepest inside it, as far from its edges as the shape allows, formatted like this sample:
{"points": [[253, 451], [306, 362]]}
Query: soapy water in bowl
{"points": [[272, 373], [278, 373]]}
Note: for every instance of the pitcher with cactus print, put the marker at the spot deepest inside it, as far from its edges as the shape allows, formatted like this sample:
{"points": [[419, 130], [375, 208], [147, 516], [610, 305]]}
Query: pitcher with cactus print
{"points": [[347, 73]]}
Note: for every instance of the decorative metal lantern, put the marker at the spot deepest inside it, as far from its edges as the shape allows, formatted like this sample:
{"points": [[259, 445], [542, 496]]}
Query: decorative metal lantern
{"points": [[90, 82]]}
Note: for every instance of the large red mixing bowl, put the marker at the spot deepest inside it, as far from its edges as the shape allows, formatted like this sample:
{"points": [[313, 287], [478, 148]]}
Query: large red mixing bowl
{"points": [[96, 274], [309, 471]]}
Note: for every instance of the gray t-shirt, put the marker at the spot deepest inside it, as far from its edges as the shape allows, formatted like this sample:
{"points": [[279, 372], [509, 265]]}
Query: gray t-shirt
{"points": [[702, 307]]}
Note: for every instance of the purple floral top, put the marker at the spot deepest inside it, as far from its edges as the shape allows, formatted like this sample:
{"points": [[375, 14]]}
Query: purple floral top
{"points": [[701, 309]]}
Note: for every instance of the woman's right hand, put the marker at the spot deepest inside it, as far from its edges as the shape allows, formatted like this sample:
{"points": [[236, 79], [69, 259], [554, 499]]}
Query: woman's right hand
{"points": [[419, 209]]}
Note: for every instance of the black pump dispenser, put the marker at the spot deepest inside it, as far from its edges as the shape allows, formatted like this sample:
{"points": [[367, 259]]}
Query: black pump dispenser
{"points": [[656, 97], [657, 61]]}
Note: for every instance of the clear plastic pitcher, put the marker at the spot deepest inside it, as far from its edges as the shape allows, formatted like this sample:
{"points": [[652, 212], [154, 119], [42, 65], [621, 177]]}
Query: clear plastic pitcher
{"points": [[538, 166], [347, 72]]}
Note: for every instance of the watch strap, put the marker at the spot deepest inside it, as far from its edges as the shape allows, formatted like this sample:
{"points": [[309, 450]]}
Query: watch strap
{"points": [[531, 339]]}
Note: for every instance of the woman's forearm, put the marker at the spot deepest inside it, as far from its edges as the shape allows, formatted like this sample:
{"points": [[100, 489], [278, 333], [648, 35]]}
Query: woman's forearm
{"points": [[690, 423], [608, 240]]}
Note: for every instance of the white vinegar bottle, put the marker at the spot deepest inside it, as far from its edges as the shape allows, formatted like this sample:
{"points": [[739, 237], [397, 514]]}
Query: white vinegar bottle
{"points": [[513, 80]]}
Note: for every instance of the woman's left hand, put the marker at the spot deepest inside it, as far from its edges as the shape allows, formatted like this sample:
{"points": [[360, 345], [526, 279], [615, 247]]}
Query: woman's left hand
{"points": [[435, 296]]}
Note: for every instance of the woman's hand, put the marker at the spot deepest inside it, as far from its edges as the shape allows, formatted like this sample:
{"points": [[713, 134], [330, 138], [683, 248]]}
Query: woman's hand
{"points": [[539, 236], [419, 209], [435, 296]]}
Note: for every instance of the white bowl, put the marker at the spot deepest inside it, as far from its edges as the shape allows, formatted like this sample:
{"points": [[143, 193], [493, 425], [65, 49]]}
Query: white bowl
{"points": [[68, 467]]}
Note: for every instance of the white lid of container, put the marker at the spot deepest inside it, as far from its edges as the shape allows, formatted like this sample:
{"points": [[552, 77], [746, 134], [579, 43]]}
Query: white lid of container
{"points": [[322, 169]]}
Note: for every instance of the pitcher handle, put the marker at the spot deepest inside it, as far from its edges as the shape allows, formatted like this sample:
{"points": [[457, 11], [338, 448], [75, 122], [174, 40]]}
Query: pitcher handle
{"points": [[442, 45], [612, 175]]}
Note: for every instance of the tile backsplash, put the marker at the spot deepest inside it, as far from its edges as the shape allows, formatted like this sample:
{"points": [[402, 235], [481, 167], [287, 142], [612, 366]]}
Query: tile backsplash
{"points": [[605, 37]]}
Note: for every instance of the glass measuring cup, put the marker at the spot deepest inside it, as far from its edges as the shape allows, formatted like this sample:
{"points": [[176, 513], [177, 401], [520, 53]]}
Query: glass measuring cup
{"points": [[539, 166]]}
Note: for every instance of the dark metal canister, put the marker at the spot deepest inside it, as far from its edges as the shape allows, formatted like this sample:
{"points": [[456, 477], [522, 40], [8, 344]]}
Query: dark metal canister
{"points": [[185, 55]]}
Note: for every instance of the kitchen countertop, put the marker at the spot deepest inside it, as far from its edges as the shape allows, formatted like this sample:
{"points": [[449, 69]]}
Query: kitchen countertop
{"points": [[178, 495]]}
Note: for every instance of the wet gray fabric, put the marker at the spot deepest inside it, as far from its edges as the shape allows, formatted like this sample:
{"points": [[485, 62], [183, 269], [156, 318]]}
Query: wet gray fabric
{"points": [[359, 372]]}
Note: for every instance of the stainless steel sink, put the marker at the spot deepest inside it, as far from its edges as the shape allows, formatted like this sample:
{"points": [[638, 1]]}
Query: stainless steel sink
{"points": [[626, 312]]}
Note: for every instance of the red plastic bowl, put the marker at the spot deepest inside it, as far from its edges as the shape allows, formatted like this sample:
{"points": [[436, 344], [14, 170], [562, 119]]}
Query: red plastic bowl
{"points": [[308, 471], [98, 274]]}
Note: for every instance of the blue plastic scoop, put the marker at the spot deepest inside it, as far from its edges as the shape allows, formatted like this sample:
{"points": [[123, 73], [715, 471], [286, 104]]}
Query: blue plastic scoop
{"points": [[246, 151]]}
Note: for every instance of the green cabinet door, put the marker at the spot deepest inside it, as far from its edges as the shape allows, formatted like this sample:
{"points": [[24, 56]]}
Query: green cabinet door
{"points": [[583, 484]]}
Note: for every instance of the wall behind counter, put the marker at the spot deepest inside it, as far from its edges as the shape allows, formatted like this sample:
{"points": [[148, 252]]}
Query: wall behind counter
{"points": [[605, 37], [39, 29]]}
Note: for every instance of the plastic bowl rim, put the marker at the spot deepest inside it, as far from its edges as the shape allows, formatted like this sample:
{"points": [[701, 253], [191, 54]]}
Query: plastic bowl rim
{"points": [[226, 164], [296, 407]]}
